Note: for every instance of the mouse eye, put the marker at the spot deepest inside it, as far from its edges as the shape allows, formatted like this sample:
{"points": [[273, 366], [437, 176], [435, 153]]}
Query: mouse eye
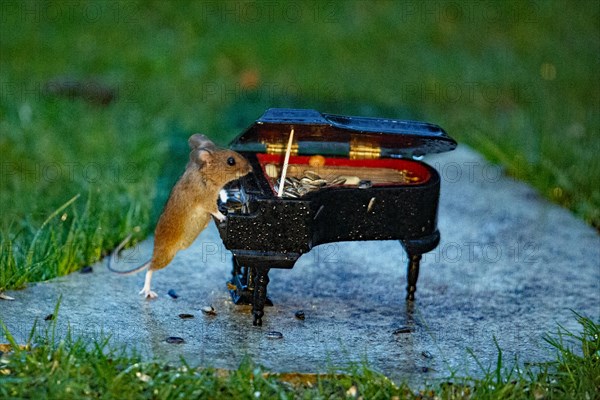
{"points": [[231, 161]]}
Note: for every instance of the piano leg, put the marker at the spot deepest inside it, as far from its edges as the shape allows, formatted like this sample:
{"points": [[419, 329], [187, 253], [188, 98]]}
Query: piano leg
{"points": [[261, 281], [241, 285], [412, 275]]}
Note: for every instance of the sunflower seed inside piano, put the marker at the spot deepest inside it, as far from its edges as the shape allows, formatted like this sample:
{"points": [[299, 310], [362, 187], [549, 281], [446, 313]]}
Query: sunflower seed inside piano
{"points": [[301, 181]]}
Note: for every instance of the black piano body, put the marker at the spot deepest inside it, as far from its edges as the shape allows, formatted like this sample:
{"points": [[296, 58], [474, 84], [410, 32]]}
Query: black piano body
{"points": [[396, 198]]}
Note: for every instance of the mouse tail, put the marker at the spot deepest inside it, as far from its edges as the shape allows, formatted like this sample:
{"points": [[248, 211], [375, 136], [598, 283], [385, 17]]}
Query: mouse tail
{"points": [[113, 259]]}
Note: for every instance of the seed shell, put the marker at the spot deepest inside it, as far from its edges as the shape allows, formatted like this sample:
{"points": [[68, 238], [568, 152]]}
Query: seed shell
{"points": [[311, 175], [208, 310], [274, 335]]}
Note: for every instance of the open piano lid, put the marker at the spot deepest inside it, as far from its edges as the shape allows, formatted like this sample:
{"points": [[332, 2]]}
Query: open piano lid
{"points": [[335, 135]]}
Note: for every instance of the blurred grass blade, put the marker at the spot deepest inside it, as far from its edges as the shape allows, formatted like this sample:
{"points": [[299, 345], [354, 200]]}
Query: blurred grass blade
{"points": [[46, 222]]}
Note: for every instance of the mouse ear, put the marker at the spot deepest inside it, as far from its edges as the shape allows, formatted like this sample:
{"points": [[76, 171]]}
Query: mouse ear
{"points": [[200, 156], [198, 140]]}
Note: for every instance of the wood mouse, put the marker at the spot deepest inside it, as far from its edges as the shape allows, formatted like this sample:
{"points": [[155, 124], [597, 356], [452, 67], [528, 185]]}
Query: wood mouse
{"points": [[191, 203]]}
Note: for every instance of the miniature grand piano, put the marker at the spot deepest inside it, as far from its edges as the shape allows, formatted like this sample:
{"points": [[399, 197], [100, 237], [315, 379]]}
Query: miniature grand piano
{"points": [[374, 189]]}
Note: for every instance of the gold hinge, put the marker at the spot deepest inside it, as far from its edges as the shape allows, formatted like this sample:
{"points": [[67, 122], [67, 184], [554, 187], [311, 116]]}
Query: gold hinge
{"points": [[281, 147], [360, 149]]}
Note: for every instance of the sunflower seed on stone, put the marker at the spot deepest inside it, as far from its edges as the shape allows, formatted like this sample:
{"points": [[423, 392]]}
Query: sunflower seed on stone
{"points": [[274, 335], [208, 310], [403, 329], [338, 180], [175, 340]]}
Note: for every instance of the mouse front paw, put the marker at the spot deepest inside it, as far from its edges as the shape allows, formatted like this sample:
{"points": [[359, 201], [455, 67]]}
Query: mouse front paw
{"points": [[218, 215], [148, 294]]}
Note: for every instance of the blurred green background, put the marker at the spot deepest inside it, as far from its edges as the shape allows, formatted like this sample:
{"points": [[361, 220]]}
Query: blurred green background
{"points": [[97, 99]]}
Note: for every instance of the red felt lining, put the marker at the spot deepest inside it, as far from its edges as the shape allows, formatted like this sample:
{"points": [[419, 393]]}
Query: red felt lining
{"points": [[416, 168]]}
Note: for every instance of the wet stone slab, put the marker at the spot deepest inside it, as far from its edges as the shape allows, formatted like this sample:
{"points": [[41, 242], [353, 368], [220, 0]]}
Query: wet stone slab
{"points": [[510, 266]]}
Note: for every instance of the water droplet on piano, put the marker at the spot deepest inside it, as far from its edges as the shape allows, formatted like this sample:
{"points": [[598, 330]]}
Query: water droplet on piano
{"points": [[365, 184]]}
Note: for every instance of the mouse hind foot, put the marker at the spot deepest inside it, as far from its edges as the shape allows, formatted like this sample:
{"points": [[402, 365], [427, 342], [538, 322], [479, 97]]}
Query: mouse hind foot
{"points": [[148, 294], [146, 291]]}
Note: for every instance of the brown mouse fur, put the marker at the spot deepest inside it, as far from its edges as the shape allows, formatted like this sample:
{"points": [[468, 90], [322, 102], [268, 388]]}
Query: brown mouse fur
{"points": [[191, 203]]}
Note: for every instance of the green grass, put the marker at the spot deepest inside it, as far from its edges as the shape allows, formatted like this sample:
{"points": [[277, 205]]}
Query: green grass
{"points": [[519, 82], [74, 368]]}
